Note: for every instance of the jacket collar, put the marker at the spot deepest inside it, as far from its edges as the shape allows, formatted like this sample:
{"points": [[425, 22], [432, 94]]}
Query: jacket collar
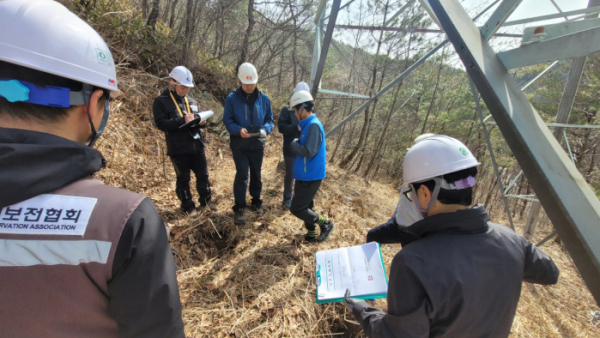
{"points": [[34, 163], [254, 95], [307, 120], [467, 221], [175, 95]]}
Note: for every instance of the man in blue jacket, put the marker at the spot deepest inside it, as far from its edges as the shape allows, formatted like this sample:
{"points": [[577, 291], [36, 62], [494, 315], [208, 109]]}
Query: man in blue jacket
{"points": [[310, 166], [249, 119]]}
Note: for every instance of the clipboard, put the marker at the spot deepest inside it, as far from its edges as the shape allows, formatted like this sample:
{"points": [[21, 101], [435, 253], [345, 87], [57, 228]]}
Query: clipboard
{"points": [[199, 118]]}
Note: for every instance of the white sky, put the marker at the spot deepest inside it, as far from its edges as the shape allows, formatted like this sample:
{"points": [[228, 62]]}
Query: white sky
{"points": [[531, 8], [527, 9]]}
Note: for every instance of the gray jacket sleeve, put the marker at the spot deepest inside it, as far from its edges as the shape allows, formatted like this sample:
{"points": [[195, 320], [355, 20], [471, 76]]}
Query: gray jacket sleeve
{"points": [[539, 267], [313, 143], [143, 293], [407, 307]]}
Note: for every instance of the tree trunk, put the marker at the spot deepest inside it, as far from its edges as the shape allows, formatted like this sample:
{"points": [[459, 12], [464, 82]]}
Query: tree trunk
{"points": [[363, 131], [384, 132], [437, 82], [295, 43], [519, 191], [222, 35], [592, 160], [172, 18], [153, 17], [144, 7], [246, 42], [217, 38], [189, 33], [525, 202]]}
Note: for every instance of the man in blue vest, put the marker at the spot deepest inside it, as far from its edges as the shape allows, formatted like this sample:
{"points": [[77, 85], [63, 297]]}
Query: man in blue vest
{"points": [[310, 166], [247, 115]]}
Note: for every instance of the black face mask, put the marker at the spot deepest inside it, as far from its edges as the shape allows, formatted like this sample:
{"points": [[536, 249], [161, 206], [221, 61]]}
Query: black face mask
{"points": [[87, 94], [96, 134]]}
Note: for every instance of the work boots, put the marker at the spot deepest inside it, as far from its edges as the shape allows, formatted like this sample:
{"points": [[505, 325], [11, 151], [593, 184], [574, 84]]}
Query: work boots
{"points": [[326, 230], [238, 217]]}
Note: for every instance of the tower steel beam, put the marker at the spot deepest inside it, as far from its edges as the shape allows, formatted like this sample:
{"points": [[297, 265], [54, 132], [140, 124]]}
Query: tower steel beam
{"points": [[395, 81], [346, 5], [353, 68], [568, 46], [386, 88], [413, 30], [552, 16], [400, 11], [427, 7], [557, 30], [564, 110], [335, 7], [317, 48], [571, 204], [499, 17], [491, 149]]}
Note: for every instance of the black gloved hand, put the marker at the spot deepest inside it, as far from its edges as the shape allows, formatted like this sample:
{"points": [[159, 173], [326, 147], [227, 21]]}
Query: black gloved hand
{"points": [[351, 302]]}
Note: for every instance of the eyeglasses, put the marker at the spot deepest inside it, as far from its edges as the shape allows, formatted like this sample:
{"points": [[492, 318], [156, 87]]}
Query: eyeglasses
{"points": [[408, 194]]}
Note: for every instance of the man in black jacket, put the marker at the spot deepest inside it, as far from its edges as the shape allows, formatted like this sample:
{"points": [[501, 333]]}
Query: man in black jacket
{"points": [[185, 144], [79, 257], [288, 126], [460, 275]]}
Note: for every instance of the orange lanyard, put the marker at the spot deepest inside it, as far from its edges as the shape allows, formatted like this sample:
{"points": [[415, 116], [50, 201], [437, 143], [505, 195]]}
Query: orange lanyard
{"points": [[176, 105]]}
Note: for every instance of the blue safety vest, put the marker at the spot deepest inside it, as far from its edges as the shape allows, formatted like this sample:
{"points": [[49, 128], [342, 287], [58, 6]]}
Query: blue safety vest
{"points": [[311, 168]]}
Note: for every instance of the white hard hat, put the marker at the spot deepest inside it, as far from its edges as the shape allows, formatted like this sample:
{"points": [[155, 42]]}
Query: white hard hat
{"points": [[435, 156], [183, 76], [301, 86], [300, 97], [45, 36], [247, 73], [422, 137]]}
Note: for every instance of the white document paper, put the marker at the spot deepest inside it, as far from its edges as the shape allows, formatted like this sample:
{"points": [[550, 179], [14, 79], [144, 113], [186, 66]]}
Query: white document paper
{"points": [[358, 268], [204, 115]]}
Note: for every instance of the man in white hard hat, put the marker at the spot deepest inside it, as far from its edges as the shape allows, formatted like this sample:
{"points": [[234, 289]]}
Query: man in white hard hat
{"points": [[288, 126], [310, 167], [77, 258], [395, 230], [173, 111], [249, 119], [461, 276]]}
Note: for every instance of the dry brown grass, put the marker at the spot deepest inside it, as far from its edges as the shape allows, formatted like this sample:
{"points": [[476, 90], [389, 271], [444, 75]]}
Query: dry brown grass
{"points": [[255, 280]]}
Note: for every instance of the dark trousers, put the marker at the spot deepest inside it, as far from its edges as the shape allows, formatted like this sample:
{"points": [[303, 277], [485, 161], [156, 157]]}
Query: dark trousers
{"points": [[302, 203], [196, 163], [389, 232], [288, 182], [244, 160]]}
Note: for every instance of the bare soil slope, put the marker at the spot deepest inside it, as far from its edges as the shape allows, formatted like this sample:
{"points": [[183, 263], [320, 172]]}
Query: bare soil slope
{"points": [[256, 280]]}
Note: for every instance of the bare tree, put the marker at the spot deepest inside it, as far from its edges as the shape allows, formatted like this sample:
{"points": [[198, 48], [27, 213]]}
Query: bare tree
{"points": [[153, 17], [246, 42]]}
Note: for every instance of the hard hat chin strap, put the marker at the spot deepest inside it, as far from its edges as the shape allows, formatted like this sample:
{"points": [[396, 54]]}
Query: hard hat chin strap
{"points": [[434, 195]]}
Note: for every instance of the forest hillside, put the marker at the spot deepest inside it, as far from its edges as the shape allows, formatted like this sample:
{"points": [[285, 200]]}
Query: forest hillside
{"points": [[257, 280]]}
